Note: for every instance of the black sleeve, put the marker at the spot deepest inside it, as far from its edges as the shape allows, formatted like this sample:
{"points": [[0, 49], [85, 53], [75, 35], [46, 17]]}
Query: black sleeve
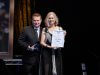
{"points": [[22, 40]]}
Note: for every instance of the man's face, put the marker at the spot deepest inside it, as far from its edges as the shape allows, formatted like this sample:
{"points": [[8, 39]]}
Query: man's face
{"points": [[36, 20]]}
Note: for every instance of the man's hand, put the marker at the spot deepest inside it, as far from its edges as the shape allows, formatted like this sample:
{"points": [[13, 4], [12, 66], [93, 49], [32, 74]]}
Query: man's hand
{"points": [[31, 48]]}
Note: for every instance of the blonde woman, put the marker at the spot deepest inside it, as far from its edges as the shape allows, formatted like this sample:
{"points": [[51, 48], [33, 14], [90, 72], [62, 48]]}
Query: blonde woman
{"points": [[52, 59]]}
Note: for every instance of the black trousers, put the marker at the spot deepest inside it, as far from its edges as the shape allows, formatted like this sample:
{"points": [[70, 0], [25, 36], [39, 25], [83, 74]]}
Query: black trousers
{"points": [[31, 64]]}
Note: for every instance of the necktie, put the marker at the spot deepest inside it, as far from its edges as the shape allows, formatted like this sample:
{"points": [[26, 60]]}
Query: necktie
{"points": [[36, 32]]}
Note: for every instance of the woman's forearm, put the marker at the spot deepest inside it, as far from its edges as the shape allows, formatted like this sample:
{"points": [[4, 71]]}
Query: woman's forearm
{"points": [[46, 45]]}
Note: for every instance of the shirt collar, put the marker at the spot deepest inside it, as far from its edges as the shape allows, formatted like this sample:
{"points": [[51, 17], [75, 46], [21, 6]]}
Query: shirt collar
{"points": [[37, 28]]}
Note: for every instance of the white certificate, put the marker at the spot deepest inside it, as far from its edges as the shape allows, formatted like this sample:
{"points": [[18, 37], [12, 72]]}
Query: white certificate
{"points": [[58, 38]]}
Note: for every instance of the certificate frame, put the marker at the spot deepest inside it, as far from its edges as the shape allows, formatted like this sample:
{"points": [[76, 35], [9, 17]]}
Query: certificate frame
{"points": [[58, 38], [7, 54]]}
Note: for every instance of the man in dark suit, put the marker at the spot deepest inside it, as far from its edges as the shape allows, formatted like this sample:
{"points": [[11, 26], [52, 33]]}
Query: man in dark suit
{"points": [[29, 41]]}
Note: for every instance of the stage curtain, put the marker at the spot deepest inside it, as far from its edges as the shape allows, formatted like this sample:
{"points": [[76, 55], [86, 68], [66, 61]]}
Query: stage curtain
{"points": [[22, 15]]}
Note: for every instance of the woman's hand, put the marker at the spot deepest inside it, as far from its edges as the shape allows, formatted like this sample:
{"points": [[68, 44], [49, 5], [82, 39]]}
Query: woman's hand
{"points": [[51, 47], [55, 47]]}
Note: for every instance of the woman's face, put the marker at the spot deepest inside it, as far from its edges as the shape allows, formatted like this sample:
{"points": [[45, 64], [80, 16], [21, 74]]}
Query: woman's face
{"points": [[51, 20]]}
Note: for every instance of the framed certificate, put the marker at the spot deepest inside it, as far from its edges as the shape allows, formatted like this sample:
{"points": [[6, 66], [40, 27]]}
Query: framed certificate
{"points": [[58, 38]]}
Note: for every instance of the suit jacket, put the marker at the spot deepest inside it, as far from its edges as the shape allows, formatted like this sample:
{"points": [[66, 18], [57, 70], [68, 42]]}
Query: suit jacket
{"points": [[26, 38]]}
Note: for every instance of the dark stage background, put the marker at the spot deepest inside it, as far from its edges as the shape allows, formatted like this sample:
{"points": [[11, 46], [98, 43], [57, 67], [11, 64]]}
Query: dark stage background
{"points": [[80, 46]]}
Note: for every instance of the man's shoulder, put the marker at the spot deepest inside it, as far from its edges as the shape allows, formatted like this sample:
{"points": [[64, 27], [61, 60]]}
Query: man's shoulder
{"points": [[27, 27]]}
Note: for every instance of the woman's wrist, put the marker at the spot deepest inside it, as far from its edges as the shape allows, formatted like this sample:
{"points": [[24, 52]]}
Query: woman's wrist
{"points": [[47, 46]]}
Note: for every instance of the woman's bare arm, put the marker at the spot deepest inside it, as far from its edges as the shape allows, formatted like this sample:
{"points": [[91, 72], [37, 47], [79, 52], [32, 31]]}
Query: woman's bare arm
{"points": [[43, 41]]}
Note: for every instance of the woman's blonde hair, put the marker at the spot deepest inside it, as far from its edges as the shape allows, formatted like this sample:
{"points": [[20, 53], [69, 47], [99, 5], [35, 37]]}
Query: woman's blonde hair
{"points": [[47, 17]]}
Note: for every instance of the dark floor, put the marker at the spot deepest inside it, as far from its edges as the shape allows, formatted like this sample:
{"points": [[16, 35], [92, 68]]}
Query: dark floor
{"points": [[72, 65]]}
